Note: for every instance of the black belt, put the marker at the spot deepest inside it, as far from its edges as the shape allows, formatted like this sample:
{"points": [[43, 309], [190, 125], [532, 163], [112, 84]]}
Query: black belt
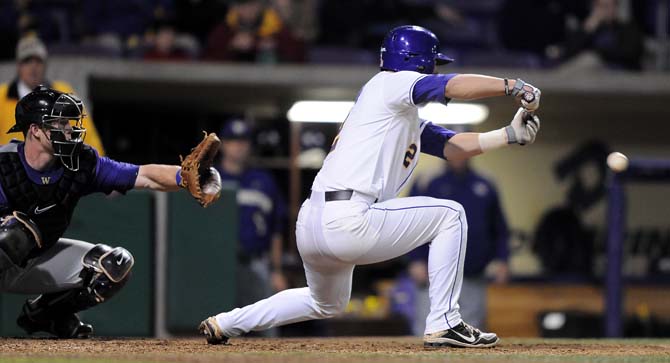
{"points": [[338, 195]]}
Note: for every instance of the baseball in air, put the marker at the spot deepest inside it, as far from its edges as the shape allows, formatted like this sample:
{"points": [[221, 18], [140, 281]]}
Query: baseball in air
{"points": [[617, 161]]}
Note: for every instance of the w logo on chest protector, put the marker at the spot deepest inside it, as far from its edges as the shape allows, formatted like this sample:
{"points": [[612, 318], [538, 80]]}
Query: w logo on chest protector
{"points": [[409, 155], [46, 179]]}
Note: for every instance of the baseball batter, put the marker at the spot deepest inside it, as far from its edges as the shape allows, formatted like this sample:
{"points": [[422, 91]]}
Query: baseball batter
{"points": [[353, 216], [41, 181]]}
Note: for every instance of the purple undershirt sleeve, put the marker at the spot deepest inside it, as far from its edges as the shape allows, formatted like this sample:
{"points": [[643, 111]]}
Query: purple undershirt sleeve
{"points": [[431, 88], [112, 175], [433, 139]]}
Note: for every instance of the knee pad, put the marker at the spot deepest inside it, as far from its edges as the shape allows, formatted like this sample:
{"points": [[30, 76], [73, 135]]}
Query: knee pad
{"points": [[18, 237], [105, 271]]}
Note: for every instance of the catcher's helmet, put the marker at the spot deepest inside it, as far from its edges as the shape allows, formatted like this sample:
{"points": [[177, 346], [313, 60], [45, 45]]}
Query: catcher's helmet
{"points": [[411, 48], [57, 112]]}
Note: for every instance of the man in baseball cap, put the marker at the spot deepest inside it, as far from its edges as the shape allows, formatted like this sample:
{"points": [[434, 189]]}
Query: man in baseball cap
{"points": [[262, 214], [236, 129], [31, 65], [31, 57]]}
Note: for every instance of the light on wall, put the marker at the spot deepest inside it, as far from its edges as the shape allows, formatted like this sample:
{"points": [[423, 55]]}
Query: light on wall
{"points": [[337, 111], [319, 111], [454, 113]]}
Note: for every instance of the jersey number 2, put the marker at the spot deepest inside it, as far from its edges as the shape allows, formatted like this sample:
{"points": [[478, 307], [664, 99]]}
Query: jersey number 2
{"points": [[409, 155]]}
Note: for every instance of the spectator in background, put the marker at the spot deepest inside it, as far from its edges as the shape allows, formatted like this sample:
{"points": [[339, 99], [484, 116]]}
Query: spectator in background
{"points": [[162, 44], [518, 18], [51, 21], [31, 64], [47, 19], [603, 40], [261, 215], [459, 23], [300, 16], [253, 32], [198, 17], [120, 25], [487, 240]]}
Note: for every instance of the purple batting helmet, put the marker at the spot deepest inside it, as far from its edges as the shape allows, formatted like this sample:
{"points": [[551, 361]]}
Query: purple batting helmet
{"points": [[411, 48]]}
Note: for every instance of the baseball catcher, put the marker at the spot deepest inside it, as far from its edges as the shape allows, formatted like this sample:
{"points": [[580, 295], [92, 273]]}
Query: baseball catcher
{"points": [[41, 181]]}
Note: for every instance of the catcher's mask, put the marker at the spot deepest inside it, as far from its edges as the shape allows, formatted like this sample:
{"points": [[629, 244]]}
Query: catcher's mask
{"points": [[60, 114], [66, 130]]}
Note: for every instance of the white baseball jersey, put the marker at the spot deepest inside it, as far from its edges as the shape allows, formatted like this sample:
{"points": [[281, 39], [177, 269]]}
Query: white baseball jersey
{"points": [[374, 154], [379, 143]]}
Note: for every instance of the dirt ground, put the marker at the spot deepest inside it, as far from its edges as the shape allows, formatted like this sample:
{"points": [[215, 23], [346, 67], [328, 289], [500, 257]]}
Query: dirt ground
{"points": [[365, 349]]}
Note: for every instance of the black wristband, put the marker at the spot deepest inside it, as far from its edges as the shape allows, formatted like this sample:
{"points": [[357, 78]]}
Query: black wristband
{"points": [[506, 87]]}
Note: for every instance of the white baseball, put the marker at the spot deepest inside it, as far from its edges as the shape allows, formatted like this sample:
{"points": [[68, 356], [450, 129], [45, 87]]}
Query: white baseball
{"points": [[617, 161]]}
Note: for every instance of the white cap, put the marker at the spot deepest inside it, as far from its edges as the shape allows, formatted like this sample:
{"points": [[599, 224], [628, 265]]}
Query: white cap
{"points": [[31, 46]]}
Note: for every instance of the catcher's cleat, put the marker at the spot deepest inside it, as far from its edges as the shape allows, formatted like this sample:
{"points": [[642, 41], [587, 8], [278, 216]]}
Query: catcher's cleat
{"points": [[66, 327], [462, 335], [210, 328]]}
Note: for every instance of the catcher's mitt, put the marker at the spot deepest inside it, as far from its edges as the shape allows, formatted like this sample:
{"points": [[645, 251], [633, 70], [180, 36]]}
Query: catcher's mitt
{"points": [[197, 174]]}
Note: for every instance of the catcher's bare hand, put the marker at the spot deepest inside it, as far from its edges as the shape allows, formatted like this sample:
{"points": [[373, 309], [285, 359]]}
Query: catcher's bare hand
{"points": [[197, 174]]}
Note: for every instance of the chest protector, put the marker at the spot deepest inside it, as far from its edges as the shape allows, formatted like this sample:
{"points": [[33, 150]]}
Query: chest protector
{"points": [[50, 206]]}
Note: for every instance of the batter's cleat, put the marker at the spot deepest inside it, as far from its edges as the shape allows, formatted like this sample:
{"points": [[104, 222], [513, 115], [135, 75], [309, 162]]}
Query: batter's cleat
{"points": [[210, 328], [66, 327], [462, 335]]}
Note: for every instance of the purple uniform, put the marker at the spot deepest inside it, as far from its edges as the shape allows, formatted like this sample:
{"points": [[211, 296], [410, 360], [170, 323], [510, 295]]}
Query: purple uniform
{"points": [[261, 210], [110, 175]]}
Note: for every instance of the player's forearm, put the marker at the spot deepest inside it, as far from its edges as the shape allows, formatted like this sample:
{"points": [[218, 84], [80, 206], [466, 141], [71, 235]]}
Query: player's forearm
{"points": [[522, 130], [468, 144], [462, 146], [157, 177], [474, 86]]}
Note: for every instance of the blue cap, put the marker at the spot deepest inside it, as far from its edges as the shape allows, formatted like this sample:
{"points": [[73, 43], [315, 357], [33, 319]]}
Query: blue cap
{"points": [[235, 129]]}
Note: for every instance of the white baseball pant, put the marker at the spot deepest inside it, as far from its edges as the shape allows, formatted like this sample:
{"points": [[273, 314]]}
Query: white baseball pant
{"points": [[333, 237]]}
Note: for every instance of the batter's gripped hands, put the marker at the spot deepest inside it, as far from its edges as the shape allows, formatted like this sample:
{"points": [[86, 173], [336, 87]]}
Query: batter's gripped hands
{"points": [[523, 129], [530, 97], [527, 94]]}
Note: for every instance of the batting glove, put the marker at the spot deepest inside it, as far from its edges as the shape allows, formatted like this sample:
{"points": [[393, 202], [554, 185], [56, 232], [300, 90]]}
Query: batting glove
{"points": [[523, 128], [528, 94]]}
